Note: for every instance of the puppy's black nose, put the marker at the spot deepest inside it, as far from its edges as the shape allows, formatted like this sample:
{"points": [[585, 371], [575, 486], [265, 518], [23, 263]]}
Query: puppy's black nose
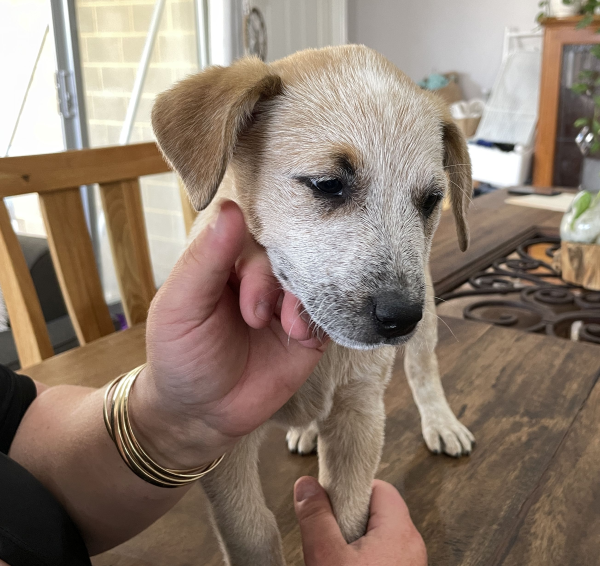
{"points": [[394, 315]]}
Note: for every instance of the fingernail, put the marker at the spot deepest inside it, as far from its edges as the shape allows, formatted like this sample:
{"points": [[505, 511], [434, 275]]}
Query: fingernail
{"points": [[306, 488], [264, 311]]}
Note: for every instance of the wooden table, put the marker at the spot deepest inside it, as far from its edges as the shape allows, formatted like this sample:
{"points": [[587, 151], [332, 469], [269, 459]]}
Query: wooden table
{"points": [[528, 495]]}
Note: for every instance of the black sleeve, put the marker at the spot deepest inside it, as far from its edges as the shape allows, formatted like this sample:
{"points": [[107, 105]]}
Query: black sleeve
{"points": [[35, 530], [16, 394]]}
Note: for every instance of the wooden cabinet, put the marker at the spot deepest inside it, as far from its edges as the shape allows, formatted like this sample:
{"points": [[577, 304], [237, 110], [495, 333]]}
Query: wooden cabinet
{"points": [[558, 34]]}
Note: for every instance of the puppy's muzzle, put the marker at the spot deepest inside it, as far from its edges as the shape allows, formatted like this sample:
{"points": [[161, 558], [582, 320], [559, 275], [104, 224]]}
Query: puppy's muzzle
{"points": [[394, 315]]}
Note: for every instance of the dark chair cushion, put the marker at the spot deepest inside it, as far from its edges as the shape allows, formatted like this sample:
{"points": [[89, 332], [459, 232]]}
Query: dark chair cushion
{"points": [[60, 329]]}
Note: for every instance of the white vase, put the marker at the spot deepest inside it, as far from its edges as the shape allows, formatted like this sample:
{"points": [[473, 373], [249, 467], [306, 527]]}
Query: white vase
{"points": [[560, 10]]}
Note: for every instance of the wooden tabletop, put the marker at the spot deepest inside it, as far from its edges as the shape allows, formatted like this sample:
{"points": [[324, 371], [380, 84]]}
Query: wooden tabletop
{"points": [[528, 495]]}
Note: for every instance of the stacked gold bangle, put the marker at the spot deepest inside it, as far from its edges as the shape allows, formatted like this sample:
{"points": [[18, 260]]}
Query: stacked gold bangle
{"points": [[116, 419]]}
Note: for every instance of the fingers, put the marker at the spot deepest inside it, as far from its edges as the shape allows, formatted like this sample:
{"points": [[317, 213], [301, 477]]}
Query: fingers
{"points": [[389, 519], [388, 509], [322, 540], [201, 274], [259, 289], [295, 319]]}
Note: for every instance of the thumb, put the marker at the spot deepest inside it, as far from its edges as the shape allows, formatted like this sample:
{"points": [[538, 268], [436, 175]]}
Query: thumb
{"points": [[322, 540], [200, 275]]}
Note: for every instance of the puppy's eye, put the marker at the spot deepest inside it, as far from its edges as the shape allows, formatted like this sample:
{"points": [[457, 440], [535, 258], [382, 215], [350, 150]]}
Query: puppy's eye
{"points": [[430, 202], [331, 187]]}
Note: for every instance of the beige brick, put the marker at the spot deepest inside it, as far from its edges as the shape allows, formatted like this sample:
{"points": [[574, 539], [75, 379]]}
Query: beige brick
{"points": [[92, 78], [145, 131], [98, 135], [114, 18], [182, 14], [140, 134], [167, 225], [177, 49], [104, 50], [160, 197], [157, 80], [118, 79], [161, 273], [113, 133], [163, 256], [142, 16], [108, 108], [86, 19], [144, 109], [182, 71], [133, 47]]}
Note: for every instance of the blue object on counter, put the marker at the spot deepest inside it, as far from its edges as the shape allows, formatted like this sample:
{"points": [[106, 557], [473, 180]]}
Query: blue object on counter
{"points": [[434, 81], [484, 143]]}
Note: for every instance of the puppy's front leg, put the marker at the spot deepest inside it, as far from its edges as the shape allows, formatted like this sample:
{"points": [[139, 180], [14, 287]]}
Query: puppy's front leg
{"points": [[246, 529], [349, 448], [441, 429]]}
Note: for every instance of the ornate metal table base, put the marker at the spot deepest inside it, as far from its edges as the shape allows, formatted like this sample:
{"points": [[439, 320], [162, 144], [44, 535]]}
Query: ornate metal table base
{"points": [[526, 293]]}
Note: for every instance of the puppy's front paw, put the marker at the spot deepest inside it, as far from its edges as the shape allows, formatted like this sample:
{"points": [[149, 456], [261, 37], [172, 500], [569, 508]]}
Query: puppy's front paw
{"points": [[302, 440], [443, 432]]}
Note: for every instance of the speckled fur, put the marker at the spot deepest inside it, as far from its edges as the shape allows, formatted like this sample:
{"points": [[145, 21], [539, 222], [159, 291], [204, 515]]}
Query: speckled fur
{"points": [[247, 133]]}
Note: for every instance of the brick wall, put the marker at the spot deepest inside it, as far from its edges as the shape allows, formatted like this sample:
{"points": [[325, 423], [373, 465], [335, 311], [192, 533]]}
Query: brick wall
{"points": [[112, 36]]}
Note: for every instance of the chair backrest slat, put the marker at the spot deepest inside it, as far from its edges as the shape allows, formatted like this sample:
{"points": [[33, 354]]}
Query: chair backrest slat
{"points": [[28, 325], [57, 179], [73, 257], [49, 172], [122, 203]]}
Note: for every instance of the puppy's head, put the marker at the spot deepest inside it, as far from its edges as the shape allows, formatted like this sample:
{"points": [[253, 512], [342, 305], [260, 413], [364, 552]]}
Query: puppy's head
{"points": [[341, 164]]}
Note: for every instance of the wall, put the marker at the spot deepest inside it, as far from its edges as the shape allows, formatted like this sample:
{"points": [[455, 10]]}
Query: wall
{"points": [[112, 34], [424, 36]]}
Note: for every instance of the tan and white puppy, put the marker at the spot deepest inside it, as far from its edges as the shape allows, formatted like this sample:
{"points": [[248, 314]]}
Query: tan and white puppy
{"points": [[340, 163]]}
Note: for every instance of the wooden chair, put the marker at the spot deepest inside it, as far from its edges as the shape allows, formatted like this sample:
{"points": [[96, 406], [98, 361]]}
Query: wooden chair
{"points": [[57, 179]]}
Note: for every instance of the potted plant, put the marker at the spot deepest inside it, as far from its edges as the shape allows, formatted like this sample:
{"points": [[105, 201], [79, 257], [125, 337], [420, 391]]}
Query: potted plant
{"points": [[559, 8]]}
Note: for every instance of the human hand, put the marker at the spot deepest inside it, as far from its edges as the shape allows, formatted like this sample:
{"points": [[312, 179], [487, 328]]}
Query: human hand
{"points": [[391, 538], [223, 357]]}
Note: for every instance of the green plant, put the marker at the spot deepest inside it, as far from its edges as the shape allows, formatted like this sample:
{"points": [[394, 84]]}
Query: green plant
{"points": [[589, 85], [545, 8], [586, 8]]}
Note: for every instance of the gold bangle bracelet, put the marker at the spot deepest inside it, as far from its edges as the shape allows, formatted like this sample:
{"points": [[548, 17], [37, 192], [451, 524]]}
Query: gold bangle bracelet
{"points": [[118, 425]]}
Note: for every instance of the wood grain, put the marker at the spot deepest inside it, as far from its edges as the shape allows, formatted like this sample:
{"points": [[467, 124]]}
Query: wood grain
{"points": [[49, 172], [560, 523], [508, 387], [95, 364], [24, 310], [122, 203], [73, 258]]}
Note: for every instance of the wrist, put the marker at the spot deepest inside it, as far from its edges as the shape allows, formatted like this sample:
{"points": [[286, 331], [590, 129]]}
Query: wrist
{"points": [[166, 433]]}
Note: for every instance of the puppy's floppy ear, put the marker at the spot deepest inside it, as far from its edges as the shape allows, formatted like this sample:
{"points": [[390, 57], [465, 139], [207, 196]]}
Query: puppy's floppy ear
{"points": [[458, 168], [198, 120]]}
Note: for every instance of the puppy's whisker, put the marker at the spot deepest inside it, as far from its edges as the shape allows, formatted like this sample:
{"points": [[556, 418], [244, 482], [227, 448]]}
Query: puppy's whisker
{"points": [[457, 165], [462, 190], [448, 327], [279, 289], [294, 321]]}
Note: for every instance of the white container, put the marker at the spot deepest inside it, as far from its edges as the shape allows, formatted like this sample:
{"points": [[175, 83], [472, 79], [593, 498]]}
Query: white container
{"points": [[500, 168], [560, 10]]}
